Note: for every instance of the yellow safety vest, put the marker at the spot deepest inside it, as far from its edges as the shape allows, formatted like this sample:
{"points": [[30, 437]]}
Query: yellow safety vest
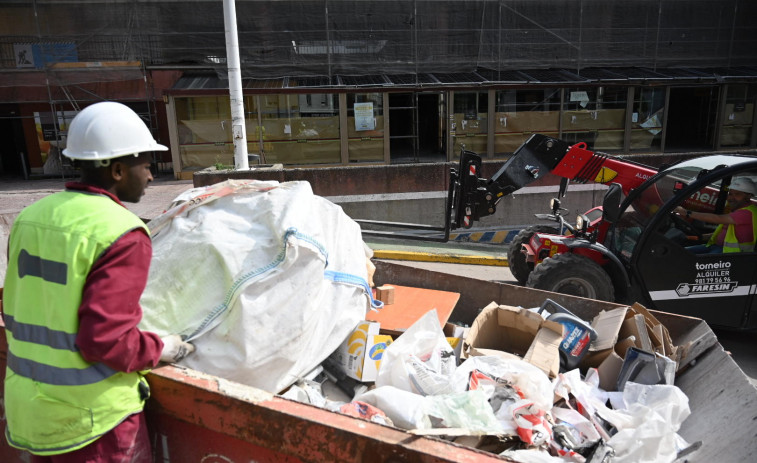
{"points": [[731, 243], [55, 401]]}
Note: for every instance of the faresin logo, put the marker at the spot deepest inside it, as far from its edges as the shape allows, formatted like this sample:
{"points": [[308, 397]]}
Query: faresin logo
{"points": [[690, 289]]}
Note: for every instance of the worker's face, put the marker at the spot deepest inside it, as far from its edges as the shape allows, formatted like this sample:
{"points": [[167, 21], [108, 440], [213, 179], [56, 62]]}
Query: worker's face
{"points": [[738, 199], [132, 174]]}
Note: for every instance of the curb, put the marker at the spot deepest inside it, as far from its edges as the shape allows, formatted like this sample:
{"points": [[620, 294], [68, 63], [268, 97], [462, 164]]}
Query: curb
{"points": [[441, 258]]}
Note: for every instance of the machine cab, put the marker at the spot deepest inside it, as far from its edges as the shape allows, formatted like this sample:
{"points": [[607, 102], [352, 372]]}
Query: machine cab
{"points": [[657, 245]]}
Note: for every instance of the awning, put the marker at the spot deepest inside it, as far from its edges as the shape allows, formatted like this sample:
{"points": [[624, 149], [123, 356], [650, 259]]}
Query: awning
{"points": [[191, 82], [82, 85]]}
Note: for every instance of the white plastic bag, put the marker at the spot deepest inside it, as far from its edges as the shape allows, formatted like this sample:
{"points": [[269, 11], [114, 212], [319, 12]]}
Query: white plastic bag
{"points": [[420, 360], [468, 411], [647, 419], [266, 279], [406, 409], [530, 380], [522, 392], [531, 456], [647, 426]]}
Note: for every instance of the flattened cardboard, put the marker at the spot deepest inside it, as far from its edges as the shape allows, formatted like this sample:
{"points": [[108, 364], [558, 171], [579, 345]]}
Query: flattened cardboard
{"points": [[609, 370], [607, 325], [634, 325], [516, 331], [410, 304], [663, 342], [495, 353], [545, 344]]}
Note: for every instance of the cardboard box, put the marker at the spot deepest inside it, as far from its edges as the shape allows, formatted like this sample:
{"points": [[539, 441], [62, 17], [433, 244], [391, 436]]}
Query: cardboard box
{"points": [[505, 330], [617, 330], [385, 294], [359, 356]]}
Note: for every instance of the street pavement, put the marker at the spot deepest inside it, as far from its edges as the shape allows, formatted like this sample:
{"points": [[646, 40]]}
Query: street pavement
{"points": [[15, 194]]}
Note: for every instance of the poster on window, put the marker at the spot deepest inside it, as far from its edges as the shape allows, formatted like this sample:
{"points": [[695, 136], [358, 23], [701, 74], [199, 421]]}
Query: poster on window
{"points": [[364, 116], [581, 97], [51, 128]]}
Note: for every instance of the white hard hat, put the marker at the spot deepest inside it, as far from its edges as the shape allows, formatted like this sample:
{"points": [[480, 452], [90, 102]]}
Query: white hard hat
{"points": [[744, 184], [108, 130]]}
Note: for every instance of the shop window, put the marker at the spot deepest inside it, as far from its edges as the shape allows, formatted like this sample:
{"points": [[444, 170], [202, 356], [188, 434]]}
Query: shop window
{"points": [[300, 129], [204, 126], [365, 127], [646, 118], [204, 129], [469, 122], [519, 113], [596, 116], [738, 116]]}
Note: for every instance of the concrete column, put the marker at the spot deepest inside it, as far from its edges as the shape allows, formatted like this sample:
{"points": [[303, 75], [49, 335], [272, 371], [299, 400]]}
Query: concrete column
{"points": [[344, 147], [629, 113], [238, 129], [491, 109], [387, 144], [449, 119], [720, 116], [173, 136], [562, 108], [261, 130], [665, 119], [753, 138]]}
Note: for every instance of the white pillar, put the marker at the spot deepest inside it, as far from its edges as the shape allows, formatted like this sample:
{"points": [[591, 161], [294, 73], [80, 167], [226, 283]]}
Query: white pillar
{"points": [[238, 129]]}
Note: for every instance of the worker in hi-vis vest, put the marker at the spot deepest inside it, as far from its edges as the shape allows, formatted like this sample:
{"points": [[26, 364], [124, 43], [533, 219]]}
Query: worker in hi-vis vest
{"points": [[737, 230], [77, 265]]}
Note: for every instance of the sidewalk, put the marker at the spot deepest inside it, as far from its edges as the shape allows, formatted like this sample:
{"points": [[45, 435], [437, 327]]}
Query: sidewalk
{"points": [[17, 194]]}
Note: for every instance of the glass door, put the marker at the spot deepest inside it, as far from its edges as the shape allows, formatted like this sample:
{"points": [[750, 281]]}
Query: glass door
{"points": [[403, 123]]}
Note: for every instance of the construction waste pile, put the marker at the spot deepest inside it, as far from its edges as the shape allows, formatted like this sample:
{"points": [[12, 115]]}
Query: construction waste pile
{"points": [[274, 286]]}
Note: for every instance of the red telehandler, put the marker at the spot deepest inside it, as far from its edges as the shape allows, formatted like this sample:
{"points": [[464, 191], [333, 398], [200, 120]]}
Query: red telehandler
{"points": [[632, 248]]}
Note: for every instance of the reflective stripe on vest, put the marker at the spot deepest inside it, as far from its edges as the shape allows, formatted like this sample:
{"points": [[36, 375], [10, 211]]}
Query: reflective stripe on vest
{"points": [[55, 400], [59, 376], [50, 374]]}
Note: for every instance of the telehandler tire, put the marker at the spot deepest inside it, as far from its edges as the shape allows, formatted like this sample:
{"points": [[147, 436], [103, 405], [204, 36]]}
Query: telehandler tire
{"points": [[516, 260], [572, 274]]}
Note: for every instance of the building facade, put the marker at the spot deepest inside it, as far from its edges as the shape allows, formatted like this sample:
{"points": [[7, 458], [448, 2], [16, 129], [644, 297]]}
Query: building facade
{"points": [[344, 82]]}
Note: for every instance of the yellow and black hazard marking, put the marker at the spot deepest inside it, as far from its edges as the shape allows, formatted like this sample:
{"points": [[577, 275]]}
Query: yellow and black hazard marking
{"points": [[495, 237]]}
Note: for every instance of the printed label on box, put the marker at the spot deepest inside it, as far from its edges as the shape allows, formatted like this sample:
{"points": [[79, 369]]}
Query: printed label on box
{"points": [[359, 357]]}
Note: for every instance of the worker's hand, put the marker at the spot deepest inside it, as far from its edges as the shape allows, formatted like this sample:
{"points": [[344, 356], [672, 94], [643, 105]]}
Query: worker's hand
{"points": [[680, 211], [174, 349]]}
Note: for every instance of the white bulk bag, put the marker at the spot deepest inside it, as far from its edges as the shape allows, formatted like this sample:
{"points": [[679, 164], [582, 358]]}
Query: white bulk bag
{"points": [[264, 278]]}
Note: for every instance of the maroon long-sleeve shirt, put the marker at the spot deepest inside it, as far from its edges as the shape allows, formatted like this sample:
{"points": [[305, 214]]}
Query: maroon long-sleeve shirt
{"points": [[110, 310]]}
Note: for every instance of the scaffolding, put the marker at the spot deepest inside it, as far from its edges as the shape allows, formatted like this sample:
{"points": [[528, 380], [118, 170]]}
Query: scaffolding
{"points": [[329, 38], [69, 53]]}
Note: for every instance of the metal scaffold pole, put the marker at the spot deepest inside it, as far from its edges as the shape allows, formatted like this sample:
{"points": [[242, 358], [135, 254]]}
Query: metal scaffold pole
{"points": [[238, 130]]}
